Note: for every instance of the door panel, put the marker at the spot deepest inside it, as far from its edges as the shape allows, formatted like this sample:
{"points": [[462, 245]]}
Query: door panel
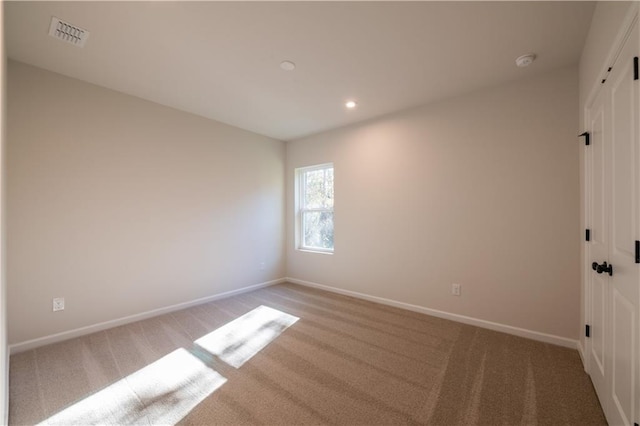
{"points": [[623, 158], [598, 193], [598, 334], [623, 356], [624, 187], [598, 284]]}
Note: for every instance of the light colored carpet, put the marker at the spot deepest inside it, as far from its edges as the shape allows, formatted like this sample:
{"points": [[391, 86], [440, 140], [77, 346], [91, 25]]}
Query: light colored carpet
{"points": [[289, 355]]}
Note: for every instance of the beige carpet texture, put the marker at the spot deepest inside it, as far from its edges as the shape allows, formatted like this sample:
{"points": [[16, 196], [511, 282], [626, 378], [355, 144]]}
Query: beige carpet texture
{"points": [[291, 355]]}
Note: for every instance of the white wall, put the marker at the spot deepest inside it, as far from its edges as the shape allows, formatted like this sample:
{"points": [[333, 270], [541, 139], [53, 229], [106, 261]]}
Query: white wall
{"points": [[481, 190], [4, 356], [597, 55], [123, 206]]}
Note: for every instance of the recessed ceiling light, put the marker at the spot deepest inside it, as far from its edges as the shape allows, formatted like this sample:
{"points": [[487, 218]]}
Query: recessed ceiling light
{"points": [[525, 60], [287, 65], [350, 104]]}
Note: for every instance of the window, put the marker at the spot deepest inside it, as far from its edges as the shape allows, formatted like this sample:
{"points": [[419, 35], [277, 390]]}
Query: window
{"points": [[314, 204]]}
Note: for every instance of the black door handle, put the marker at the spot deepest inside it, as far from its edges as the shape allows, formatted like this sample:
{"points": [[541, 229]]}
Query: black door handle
{"points": [[605, 267]]}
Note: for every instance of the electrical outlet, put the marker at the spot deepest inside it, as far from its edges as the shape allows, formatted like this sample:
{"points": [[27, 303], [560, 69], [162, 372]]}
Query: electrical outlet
{"points": [[58, 304], [455, 289], [262, 266]]}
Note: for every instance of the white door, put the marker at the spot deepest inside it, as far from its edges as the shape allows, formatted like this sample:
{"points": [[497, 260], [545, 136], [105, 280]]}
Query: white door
{"points": [[614, 169], [599, 246], [624, 395]]}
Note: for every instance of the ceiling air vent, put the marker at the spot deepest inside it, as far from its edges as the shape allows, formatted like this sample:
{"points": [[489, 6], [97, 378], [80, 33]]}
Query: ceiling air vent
{"points": [[66, 32]]}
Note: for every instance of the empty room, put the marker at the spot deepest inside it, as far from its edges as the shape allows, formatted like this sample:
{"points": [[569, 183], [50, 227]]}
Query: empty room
{"points": [[288, 213]]}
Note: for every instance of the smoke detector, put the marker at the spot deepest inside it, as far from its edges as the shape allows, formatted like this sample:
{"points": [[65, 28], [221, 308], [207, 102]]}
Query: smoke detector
{"points": [[525, 60], [67, 32], [287, 65]]}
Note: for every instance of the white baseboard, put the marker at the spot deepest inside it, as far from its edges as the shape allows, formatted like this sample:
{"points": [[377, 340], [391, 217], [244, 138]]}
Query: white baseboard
{"points": [[522, 332], [65, 335]]}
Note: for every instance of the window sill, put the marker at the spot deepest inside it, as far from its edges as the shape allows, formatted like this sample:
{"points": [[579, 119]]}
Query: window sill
{"points": [[307, 250]]}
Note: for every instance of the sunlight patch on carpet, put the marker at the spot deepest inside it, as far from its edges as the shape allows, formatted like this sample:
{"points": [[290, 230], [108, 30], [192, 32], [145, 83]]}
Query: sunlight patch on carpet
{"points": [[163, 392], [236, 342]]}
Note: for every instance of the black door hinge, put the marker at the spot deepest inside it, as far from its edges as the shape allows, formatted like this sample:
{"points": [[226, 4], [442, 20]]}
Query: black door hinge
{"points": [[635, 68], [587, 236], [637, 251], [586, 137], [587, 330], [636, 424]]}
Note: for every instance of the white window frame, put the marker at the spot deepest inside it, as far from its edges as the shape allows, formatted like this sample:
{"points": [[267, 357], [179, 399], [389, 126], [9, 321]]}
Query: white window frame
{"points": [[299, 197]]}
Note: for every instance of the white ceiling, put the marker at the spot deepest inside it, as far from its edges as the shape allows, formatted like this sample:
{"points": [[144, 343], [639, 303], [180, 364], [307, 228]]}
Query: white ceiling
{"points": [[221, 59]]}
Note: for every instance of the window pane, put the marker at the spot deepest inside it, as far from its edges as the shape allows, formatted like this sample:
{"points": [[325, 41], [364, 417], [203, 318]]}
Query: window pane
{"points": [[328, 184], [317, 229], [318, 189]]}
